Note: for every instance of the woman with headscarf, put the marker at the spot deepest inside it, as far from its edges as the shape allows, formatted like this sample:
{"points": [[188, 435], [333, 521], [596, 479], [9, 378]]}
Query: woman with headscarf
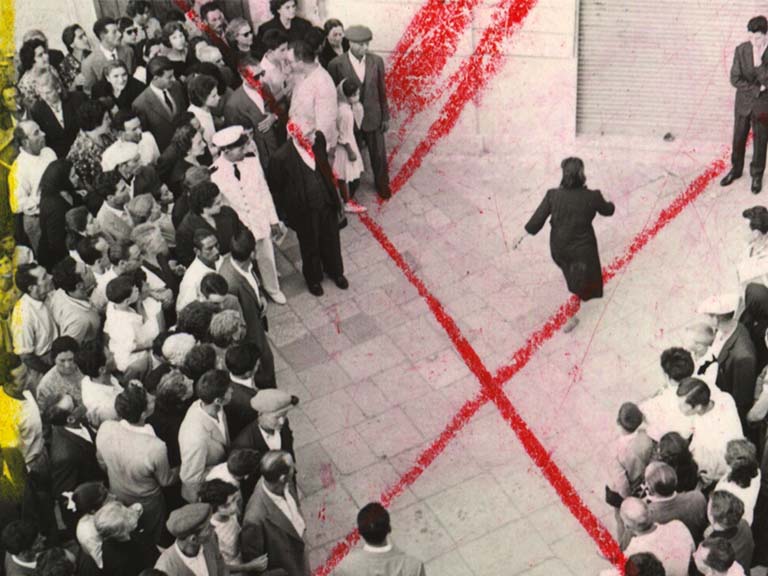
{"points": [[57, 197], [573, 245], [335, 44]]}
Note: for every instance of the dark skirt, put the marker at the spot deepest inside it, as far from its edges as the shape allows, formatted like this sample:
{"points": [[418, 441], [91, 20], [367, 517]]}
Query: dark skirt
{"points": [[581, 267]]}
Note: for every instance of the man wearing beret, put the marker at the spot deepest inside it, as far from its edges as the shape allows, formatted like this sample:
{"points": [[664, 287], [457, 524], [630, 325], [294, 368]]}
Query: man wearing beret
{"points": [[271, 430], [368, 69], [195, 551]]}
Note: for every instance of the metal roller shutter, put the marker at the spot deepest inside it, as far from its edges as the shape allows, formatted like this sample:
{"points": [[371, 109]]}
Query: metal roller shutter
{"points": [[648, 67]]}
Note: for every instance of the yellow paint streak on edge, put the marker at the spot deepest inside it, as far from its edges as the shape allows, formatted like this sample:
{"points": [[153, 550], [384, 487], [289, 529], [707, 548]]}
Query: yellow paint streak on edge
{"points": [[12, 466]]}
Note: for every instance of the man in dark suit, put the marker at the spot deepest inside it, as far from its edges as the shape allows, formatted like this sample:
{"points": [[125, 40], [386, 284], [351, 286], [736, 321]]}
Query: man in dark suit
{"points": [[57, 117], [736, 357], [270, 430], [162, 102], [237, 270], [368, 70], [72, 453], [109, 48], [273, 523], [306, 199], [747, 58], [247, 108]]}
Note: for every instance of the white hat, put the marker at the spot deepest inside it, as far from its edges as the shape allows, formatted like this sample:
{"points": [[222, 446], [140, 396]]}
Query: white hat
{"points": [[228, 136], [118, 153], [720, 304]]}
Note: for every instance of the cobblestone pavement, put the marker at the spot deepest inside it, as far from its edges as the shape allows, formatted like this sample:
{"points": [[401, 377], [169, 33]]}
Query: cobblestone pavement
{"points": [[379, 379]]}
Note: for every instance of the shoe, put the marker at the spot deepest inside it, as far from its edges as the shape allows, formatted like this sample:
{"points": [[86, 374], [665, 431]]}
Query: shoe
{"points": [[353, 207], [342, 282], [385, 194], [729, 178], [757, 184], [316, 289], [570, 325], [277, 297]]}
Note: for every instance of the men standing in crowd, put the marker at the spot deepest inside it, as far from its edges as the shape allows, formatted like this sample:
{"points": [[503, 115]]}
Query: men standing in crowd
{"points": [[108, 50], [162, 102], [195, 551], [751, 106], [368, 69], [34, 329]]}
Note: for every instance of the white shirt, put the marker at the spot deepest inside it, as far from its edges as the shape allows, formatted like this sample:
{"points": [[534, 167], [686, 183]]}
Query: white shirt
{"points": [[81, 432], [711, 433], [221, 472], [89, 539], [24, 180], [249, 277], [662, 414], [126, 329], [249, 196], [99, 399], [272, 439], [32, 326], [358, 66], [99, 294], [255, 97], [196, 564], [247, 382], [189, 289], [314, 105], [206, 122], [288, 506], [109, 55], [671, 543]]}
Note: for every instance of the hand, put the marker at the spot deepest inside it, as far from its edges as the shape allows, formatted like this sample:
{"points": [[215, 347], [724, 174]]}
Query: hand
{"points": [[385, 125], [260, 563], [266, 124], [352, 155]]}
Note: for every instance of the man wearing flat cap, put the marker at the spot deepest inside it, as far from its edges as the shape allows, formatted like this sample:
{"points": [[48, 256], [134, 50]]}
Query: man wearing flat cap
{"points": [[162, 102], [735, 352], [368, 69], [195, 552], [270, 430]]}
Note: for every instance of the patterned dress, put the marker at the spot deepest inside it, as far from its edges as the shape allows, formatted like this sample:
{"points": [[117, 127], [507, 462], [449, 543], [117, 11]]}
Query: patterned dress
{"points": [[85, 155], [27, 88]]}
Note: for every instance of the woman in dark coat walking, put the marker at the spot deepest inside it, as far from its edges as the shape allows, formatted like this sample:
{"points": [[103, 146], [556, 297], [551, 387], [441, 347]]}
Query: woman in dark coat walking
{"points": [[572, 242], [57, 196]]}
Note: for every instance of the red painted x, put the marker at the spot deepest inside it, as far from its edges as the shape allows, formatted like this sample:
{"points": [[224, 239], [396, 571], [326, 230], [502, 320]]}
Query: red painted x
{"points": [[413, 84]]}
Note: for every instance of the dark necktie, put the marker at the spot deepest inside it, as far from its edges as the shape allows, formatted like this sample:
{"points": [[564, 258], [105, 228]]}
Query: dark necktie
{"points": [[168, 101], [237, 171], [704, 365]]}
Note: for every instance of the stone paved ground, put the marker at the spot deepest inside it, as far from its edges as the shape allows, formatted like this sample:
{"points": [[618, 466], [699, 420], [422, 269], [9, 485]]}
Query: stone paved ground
{"points": [[379, 379]]}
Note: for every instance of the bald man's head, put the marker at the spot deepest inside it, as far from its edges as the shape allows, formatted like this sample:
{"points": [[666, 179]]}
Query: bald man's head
{"points": [[634, 514]]}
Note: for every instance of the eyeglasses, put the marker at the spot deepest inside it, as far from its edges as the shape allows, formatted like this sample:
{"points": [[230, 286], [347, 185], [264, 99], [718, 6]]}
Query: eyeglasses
{"points": [[247, 33], [259, 75], [130, 31]]}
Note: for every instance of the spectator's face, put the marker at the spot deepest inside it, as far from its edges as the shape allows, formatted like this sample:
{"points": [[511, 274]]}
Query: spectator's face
{"points": [[9, 99], [157, 243], [178, 41], [122, 195], [35, 140], [197, 147], [236, 153], [134, 259], [244, 38], [757, 38], [205, 533], [130, 168], [118, 78], [287, 11], [216, 206], [81, 41], [8, 245], [290, 59], [335, 36], [89, 280], [75, 179], [231, 506], [92, 228], [131, 36], [209, 250], [49, 94], [273, 420], [132, 131], [163, 81], [142, 18], [65, 363], [18, 381], [111, 36], [44, 284], [41, 58], [213, 99], [358, 49], [216, 21], [281, 53]]}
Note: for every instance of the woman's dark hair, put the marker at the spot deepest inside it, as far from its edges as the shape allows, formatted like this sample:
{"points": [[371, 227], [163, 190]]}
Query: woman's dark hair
{"points": [[170, 29], [741, 457], [202, 196], [182, 139], [27, 53], [573, 173], [199, 87], [216, 492], [90, 115], [124, 23], [68, 35], [330, 24], [275, 5], [315, 38], [350, 87], [136, 7], [56, 178]]}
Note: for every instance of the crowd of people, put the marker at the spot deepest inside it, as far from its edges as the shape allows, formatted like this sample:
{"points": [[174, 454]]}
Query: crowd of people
{"points": [[154, 173], [688, 476]]}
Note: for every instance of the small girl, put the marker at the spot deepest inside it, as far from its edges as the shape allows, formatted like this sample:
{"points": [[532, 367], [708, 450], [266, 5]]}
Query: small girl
{"points": [[348, 163]]}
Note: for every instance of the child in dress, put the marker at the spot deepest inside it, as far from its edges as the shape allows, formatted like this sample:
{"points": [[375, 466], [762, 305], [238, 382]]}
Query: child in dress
{"points": [[348, 163]]}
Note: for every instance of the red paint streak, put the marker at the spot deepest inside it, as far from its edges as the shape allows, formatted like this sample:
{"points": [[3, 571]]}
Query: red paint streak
{"points": [[470, 79], [423, 51]]}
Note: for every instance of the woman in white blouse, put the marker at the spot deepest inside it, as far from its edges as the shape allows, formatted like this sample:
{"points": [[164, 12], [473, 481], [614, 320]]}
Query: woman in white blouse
{"points": [[743, 476], [204, 97]]}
